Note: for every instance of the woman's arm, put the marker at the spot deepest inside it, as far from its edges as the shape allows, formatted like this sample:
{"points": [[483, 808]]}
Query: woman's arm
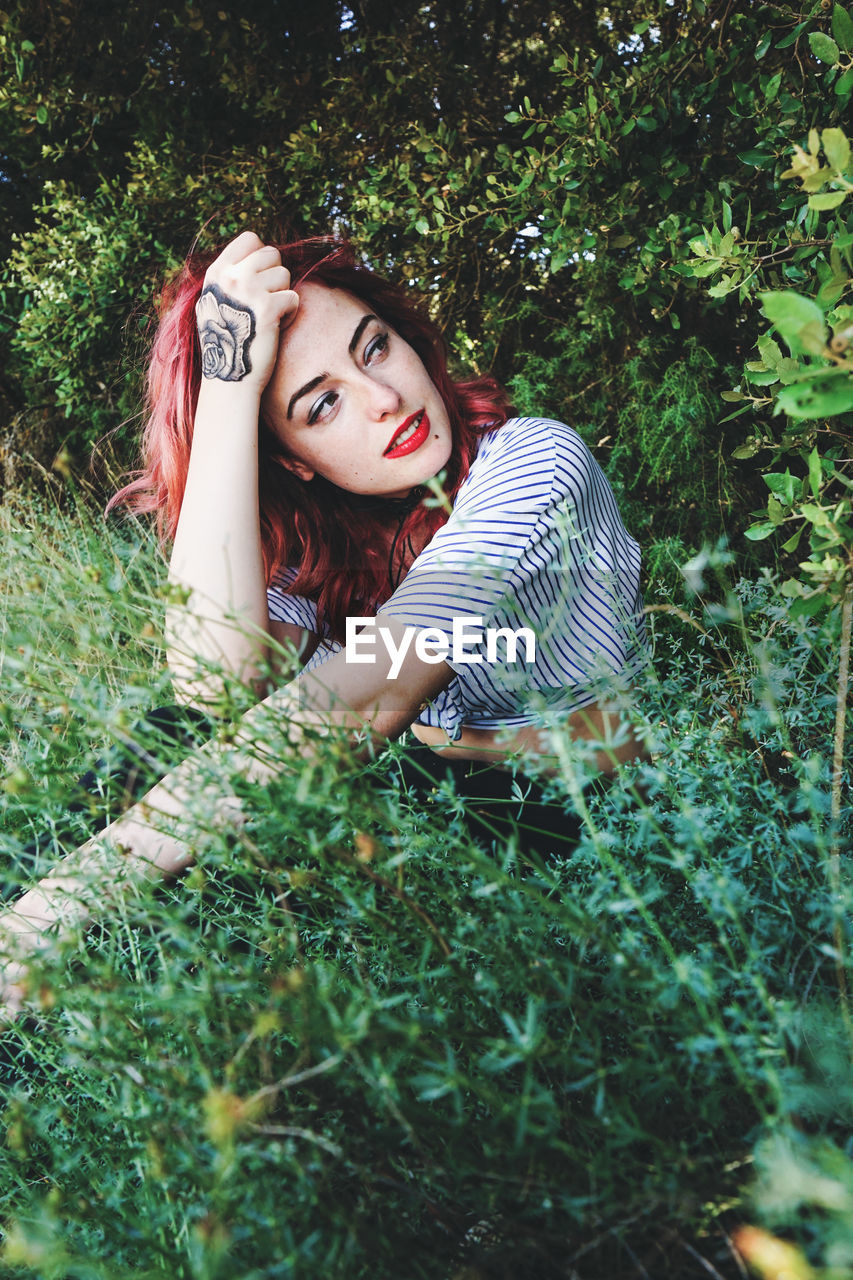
{"points": [[217, 550], [156, 838]]}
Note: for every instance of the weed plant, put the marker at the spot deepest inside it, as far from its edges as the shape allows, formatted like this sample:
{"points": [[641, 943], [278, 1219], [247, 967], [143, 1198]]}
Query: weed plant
{"points": [[351, 1042]]}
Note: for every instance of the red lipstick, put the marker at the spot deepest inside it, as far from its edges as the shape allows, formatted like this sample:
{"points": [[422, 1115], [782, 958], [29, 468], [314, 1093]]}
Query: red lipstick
{"points": [[414, 441]]}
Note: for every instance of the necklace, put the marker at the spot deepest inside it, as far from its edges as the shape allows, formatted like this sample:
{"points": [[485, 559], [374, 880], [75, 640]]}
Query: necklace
{"points": [[403, 507], [377, 502]]}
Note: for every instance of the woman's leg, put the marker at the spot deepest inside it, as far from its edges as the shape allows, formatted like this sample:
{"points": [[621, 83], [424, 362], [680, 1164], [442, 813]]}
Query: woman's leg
{"points": [[118, 779], [132, 766], [498, 804]]}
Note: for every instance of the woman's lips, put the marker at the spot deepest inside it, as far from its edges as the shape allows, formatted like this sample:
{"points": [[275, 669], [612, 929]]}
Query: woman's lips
{"points": [[415, 440]]}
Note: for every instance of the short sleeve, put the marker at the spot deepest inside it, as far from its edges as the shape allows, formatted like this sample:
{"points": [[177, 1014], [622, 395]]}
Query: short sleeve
{"points": [[534, 549], [532, 584], [469, 566], [283, 607]]}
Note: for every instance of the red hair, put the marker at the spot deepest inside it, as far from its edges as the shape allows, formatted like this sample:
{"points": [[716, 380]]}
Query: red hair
{"points": [[340, 547]]}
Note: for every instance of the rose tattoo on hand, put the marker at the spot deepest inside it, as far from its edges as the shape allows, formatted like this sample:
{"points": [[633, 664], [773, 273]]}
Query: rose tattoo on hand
{"points": [[225, 331]]}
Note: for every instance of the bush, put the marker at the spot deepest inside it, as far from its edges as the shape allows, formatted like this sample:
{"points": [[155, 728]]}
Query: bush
{"points": [[351, 1042], [569, 186]]}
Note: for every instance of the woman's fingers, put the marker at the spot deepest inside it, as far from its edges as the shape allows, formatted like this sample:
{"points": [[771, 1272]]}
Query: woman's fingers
{"points": [[240, 247], [264, 257], [276, 282], [243, 257], [274, 279], [245, 298], [11, 1005], [261, 267], [288, 300], [246, 256]]}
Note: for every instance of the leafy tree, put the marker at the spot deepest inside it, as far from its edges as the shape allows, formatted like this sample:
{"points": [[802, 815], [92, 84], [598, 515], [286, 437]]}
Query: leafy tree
{"points": [[543, 173]]}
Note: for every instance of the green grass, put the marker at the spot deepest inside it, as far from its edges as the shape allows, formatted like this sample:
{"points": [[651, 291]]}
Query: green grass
{"points": [[349, 1035]]}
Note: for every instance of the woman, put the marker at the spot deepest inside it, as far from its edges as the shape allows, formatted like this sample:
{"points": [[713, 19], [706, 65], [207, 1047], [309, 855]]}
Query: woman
{"points": [[301, 413]]}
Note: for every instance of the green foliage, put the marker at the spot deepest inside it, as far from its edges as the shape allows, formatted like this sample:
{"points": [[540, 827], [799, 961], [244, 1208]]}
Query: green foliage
{"points": [[668, 416], [554, 185], [351, 1010], [585, 243], [814, 382], [75, 301], [612, 209], [88, 274], [651, 415], [804, 1173]]}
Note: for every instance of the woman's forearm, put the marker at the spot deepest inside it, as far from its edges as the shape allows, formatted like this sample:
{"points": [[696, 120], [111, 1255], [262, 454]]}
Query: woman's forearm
{"points": [[217, 550], [153, 840], [158, 837]]}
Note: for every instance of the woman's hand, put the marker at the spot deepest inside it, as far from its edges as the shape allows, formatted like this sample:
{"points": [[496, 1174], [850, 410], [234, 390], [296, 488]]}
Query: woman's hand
{"points": [[245, 297], [20, 940], [217, 554], [12, 997], [33, 923]]}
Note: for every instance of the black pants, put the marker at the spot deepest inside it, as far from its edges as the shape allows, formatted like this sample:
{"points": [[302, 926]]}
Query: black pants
{"points": [[497, 806]]}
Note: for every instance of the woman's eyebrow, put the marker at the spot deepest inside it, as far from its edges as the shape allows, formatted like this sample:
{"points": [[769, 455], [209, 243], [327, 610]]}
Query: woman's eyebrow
{"points": [[315, 382], [359, 330], [303, 391]]}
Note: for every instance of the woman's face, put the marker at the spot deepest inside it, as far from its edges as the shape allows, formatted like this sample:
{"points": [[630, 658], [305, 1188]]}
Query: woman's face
{"points": [[351, 401]]}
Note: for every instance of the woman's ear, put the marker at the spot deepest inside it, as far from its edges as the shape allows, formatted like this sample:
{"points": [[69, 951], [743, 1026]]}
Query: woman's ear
{"points": [[272, 448], [298, 468]]}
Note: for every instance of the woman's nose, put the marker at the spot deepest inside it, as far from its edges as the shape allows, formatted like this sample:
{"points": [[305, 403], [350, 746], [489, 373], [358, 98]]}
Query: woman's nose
{"points": [[383, 398]]}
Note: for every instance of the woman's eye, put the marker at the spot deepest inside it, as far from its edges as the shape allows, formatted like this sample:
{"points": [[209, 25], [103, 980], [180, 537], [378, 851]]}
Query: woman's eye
{"points": [[376, 347], [325, 402]]}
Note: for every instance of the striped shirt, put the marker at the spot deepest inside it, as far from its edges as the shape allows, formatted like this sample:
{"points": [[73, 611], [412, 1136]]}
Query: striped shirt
{"points": [[535, 542]]}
